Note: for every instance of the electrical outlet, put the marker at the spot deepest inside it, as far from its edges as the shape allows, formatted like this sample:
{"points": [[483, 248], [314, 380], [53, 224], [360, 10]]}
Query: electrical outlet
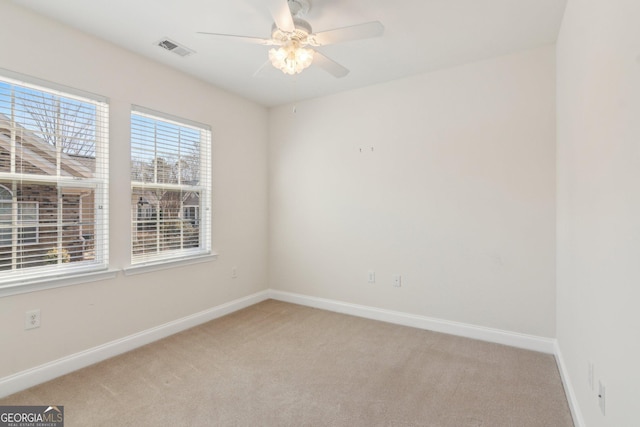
{"points": [[234, 272], [32, 319], [397, 280], [601, 397], [372, 277]]}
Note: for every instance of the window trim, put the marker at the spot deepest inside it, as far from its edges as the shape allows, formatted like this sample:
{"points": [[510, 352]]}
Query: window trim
{"points": [[52, 87], [171, 258], [84, 272], [51, 282], [158, 265]]}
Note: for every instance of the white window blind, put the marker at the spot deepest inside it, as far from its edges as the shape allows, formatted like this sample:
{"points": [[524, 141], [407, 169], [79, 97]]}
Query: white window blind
{"points": [[53, 181], [170, 187]]}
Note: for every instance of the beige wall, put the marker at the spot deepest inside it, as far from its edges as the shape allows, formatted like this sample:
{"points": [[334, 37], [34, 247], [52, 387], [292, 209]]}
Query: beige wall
{"points": [[79, 317], [598, 68], [445, 178]]}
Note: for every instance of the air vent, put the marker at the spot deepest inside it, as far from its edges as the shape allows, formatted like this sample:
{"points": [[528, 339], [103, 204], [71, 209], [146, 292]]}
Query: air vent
{"points": [[174, 47]]}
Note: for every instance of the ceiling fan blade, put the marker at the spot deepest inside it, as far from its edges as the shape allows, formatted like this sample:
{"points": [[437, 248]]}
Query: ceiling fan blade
{"points": [[281, 14], [329, 65], [260, 70], [247, 39], [345, 34]]}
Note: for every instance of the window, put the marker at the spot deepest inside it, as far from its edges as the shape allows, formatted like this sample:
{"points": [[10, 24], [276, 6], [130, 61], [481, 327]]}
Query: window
{"points": [[26, 221], [191, 214], [53, 181], [5, 217], [170, 187]]}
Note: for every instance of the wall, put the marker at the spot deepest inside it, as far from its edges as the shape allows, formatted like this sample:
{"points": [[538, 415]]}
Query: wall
{"points": [[445, 178], [79, 317], [598, 242]]}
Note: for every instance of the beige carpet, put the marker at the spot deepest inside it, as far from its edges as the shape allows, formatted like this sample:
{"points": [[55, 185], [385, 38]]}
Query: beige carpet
{"points": [[279, 364]]}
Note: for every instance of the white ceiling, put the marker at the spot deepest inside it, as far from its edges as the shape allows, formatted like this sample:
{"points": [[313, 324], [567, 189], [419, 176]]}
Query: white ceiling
{"points": [[420, 36]]}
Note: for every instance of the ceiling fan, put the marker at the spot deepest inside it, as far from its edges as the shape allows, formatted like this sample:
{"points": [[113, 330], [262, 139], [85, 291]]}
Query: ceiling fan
{"points": [[294, 40]]}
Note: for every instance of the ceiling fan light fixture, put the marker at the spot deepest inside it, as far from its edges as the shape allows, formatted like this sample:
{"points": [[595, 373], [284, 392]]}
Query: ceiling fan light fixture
{"points": [[294, 39], [291, 58]]}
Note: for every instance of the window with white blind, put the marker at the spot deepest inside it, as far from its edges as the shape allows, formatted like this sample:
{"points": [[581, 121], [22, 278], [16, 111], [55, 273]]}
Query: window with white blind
{"points": [[53, 182], [170, 187]]}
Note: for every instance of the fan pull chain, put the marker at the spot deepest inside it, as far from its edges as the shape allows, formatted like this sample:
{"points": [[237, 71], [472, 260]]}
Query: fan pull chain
{"points": [[295, 93]]}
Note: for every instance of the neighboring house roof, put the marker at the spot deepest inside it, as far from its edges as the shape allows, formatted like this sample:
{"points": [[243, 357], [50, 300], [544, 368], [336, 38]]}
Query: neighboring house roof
{"points": [[150, 197], [40, 154], [191, 199]]}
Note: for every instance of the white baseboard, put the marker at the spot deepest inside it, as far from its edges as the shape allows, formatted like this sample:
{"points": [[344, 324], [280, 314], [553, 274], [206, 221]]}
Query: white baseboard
{"points": [[48, 371], [514, 339], [572, 399], [528, 342], [25, 379]]}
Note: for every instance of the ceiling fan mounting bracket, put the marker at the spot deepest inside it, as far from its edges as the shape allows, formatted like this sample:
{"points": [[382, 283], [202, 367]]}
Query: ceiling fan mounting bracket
{"points": [[299, 8]]}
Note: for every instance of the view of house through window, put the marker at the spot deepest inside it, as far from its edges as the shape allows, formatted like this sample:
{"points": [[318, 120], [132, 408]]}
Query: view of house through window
{"points": [[170, 187], [53, 181]]}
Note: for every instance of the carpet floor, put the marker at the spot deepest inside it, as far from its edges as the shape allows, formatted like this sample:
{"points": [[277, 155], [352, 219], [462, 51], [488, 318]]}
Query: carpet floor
{"points": [[280, 364]]}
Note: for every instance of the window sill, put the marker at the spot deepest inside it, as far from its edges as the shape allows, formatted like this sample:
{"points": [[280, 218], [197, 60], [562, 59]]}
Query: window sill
{"points": [[167, 263], [57, 282]]}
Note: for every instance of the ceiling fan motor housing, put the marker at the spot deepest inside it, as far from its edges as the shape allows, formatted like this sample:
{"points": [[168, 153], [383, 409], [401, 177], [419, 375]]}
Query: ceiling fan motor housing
{"points": [[300, 34]]}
